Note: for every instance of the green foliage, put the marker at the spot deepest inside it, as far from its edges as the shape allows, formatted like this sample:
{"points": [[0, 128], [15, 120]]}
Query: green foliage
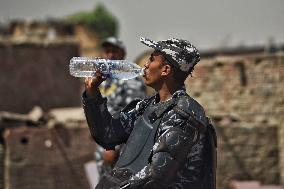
{"points": [[99, 19]]}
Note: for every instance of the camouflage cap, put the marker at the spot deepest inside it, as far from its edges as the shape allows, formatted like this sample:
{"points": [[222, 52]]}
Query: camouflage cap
{"points": [[180, 53], [115, 42]]}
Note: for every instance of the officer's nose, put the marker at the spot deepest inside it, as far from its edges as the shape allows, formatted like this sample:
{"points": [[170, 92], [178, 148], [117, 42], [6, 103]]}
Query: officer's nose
{"points": [[146, 65]]}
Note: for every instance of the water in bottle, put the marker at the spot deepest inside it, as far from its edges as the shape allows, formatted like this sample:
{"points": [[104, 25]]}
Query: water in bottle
{"points": [[118, 69]]}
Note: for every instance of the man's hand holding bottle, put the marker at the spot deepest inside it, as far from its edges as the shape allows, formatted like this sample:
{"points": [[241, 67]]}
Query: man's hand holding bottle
{"points": [[92, 84]]}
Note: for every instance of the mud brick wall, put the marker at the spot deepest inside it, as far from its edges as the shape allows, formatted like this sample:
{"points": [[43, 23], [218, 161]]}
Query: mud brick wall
{"points": [[36, 73], [250, 88], [247, 153], [54, 157], [281, 148], [245, 97], [49, 158]]}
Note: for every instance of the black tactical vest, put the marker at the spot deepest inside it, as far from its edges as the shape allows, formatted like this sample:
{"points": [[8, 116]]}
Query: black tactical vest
{"points": [[139, 145], [137, 151]]}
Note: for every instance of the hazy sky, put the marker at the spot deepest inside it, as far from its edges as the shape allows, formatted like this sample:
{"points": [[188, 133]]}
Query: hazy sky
{"points": [[206, 23]]}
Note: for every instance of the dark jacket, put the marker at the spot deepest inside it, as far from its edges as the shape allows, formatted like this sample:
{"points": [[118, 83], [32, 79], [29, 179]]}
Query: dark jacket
{"points": [[181, 155]]}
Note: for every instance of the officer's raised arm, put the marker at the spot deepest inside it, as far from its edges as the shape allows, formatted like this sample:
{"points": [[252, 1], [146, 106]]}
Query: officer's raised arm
{"points": [[105, 129]]}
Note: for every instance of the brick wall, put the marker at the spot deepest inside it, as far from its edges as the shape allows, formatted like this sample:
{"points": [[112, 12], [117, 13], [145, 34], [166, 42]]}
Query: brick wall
{"points": [[247, 87], [245, 97], [247, 153]]}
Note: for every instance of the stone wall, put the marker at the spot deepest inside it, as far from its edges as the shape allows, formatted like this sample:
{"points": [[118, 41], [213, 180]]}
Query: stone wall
{"points": [[37, 73]]}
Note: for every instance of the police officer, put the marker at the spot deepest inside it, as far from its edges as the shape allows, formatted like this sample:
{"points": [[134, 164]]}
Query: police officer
{"points": [[170, 142], [119, 93]]}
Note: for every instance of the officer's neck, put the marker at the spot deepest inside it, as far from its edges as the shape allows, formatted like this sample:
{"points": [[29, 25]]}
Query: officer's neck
{"points": [[167, 91]]}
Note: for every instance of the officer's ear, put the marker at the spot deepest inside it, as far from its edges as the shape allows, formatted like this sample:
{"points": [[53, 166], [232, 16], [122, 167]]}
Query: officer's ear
{"points": [[167, 70]]}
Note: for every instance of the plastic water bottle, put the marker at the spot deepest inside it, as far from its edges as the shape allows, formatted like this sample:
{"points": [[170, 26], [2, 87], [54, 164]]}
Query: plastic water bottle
{"points": [[118, 69]]}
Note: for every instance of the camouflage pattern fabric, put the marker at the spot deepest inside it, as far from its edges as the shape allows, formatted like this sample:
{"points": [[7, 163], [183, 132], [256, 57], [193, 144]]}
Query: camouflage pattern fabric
{"points": [[181, 53], [192, 169], [118, 130]]}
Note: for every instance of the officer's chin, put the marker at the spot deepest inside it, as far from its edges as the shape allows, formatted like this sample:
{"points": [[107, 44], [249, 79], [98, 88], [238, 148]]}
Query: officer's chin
{"points": [[145, 78], [146, 81], [149, 84]]}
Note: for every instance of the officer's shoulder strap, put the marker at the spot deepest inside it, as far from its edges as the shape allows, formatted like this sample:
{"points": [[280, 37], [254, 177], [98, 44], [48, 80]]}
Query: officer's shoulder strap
{"points": [[190, 109], [131, 105]]}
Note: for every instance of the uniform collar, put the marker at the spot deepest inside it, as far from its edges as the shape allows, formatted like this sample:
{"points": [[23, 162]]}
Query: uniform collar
{"points": [[178, 93]]}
